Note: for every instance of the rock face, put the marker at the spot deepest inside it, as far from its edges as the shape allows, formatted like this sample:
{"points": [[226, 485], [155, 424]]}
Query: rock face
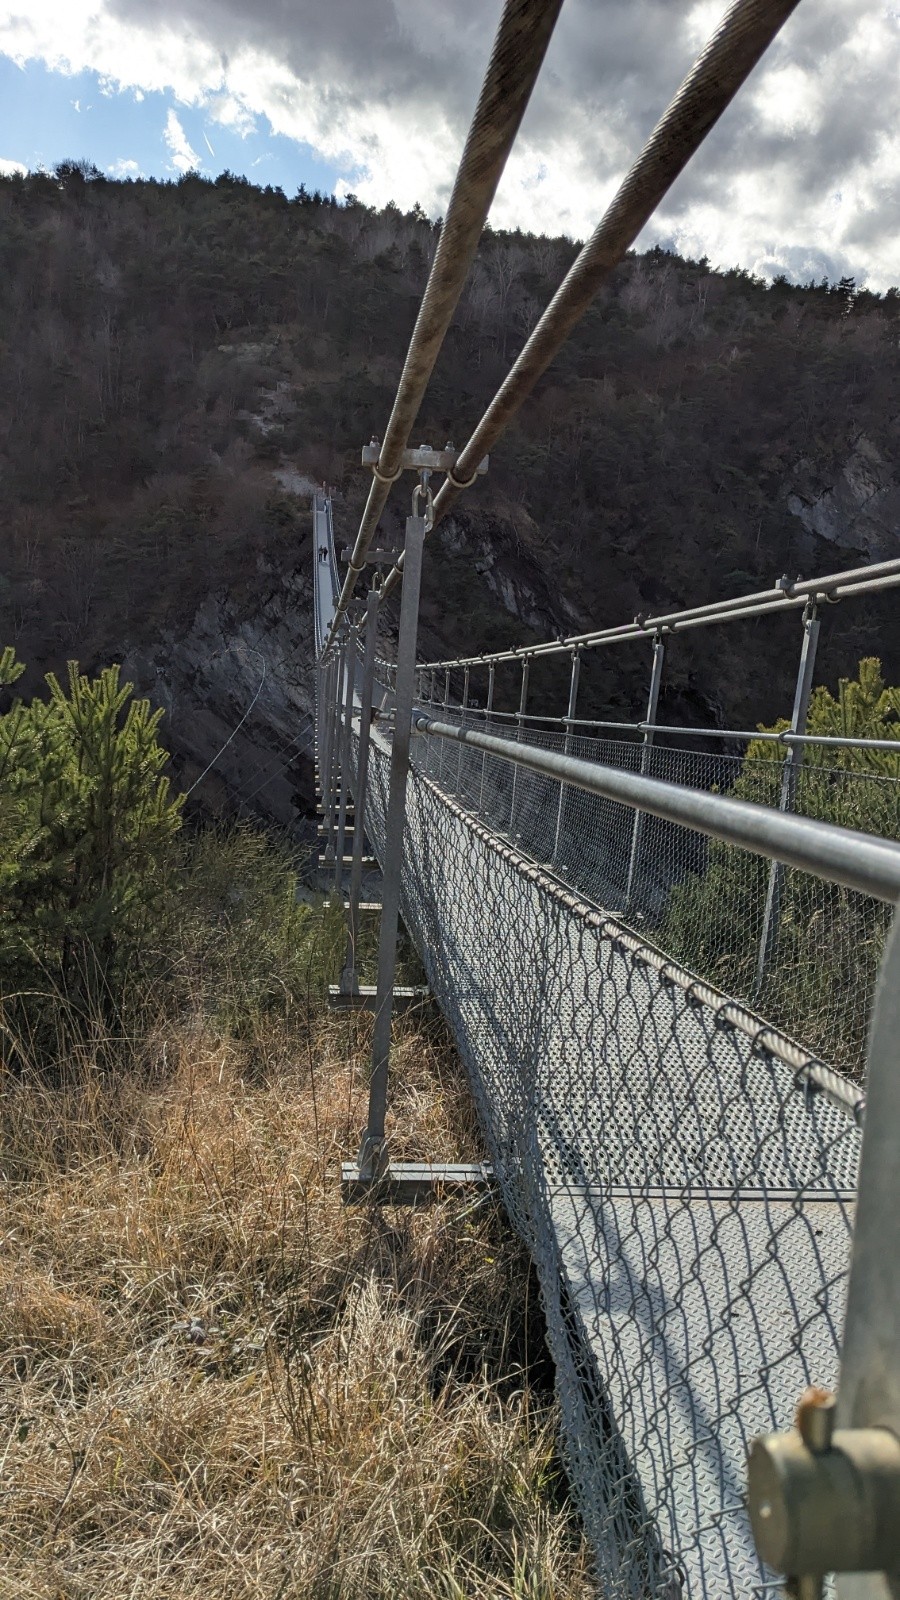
{"points": [[237, 685], [238, 692], [858, 510]]}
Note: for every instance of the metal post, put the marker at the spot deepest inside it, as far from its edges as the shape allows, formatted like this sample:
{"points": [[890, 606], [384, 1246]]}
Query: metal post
{"points": [[823, 1496], [349, 976], [373, 1150], [331, 696], [523, 700], [790, 773], [656, 671], [322, 701], [446, 705], [344, 755], [432, 755], [489, 706], [570, 717], [869, 1388], [464, 708]]}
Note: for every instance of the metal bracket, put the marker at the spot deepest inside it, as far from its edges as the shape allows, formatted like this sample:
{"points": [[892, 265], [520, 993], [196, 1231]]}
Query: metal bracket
{"points": [[376, 557], [365, 997], [422, 457], [372, 1161], [409, 1183]]}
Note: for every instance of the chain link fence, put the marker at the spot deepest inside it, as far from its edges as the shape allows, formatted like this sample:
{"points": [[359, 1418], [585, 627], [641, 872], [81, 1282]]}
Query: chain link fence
{"points": [[808, 964], [687, 1203], [638, 1009]]}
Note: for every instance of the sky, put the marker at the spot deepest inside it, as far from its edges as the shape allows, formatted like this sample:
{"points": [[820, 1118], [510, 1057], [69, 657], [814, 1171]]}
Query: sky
{"points": [[801, 176]]}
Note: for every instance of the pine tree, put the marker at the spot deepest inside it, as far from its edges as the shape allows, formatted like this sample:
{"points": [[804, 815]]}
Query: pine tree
{"points": [[85, 818]]}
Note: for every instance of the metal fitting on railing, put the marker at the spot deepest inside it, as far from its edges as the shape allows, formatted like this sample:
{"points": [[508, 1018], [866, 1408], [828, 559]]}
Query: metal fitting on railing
{"points": [[823, 1499]]}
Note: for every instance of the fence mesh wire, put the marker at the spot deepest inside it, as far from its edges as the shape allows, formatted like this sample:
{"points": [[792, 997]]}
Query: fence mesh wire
{"points": [[687, 1206], [704, 903], [686, 1199]]}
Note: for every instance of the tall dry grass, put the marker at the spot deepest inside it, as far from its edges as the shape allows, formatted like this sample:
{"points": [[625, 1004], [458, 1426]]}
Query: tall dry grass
{"points": [[217, 1383]]}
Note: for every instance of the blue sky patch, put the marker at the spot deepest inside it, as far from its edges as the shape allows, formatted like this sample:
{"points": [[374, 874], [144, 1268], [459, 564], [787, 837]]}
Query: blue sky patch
{"points": [[47, 117]]}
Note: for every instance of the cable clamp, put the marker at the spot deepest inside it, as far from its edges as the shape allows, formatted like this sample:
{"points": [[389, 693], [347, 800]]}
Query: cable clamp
{"points": [[452, 478], [384, 477]]}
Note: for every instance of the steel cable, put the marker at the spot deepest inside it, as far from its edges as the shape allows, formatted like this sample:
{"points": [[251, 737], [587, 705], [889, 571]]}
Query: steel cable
{"points": [[728, 59], [519, 48]]}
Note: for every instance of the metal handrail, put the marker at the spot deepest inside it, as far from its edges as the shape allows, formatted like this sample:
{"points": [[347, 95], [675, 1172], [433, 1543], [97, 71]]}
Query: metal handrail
{"points": [[745, 735], [857, 861], [834, 586]]}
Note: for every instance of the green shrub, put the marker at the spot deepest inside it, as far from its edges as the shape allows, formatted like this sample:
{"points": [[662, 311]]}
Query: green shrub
{"points": [[820, 975], [86, 820]]}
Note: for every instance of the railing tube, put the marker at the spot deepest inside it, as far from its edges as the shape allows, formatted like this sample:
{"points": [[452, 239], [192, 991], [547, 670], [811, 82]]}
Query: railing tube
{"points": [[858, 861]]}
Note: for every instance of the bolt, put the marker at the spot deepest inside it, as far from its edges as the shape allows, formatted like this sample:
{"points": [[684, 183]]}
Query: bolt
{"points": [[815, 1418]]}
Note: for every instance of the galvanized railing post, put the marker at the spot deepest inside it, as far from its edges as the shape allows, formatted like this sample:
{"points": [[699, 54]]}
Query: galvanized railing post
{"points": [[570, 717], [446, 706], [332, 684], [656, 671], [350, 976], [520, 720], [344, 754], [373, 1151], [489, 706], [790, 773], [464, 708], [433, 755]]}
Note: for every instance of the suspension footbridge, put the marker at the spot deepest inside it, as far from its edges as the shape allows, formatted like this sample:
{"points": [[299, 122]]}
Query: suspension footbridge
{"points": [[659, 964]]}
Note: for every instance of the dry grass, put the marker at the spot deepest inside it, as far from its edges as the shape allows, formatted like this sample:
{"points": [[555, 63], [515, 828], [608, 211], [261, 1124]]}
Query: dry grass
{"points": [[218, 1384]]}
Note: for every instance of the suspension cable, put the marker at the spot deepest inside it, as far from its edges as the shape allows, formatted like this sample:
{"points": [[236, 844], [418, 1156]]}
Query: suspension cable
{"points": [[235, 730], [717, 75], [519, 48]]}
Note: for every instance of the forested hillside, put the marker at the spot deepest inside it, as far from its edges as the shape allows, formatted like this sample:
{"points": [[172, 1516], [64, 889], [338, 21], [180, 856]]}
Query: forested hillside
{"points": [[165, 347]]}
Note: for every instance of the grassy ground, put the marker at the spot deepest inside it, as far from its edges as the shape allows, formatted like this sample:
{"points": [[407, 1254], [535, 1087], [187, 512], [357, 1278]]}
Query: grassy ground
{"points": [[219, 1384]]}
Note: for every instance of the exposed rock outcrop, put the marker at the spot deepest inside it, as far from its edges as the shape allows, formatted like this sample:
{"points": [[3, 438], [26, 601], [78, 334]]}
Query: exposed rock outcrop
{"points": [[238, 690], [858, 510]]}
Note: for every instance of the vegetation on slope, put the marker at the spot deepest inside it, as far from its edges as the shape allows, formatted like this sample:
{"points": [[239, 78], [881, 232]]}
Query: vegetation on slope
{"points": [[143, 324], [819, 977]]}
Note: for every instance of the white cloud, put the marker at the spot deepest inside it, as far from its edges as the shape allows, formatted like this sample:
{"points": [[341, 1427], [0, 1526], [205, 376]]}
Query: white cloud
{"points": [[383, 89], [123, 168], [12, 169], [182, 157], [231, 112]]}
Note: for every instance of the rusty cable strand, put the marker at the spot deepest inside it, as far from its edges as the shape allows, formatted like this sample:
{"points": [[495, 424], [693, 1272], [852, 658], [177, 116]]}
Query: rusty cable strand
{"points": [[521, 43], [718, 73]]}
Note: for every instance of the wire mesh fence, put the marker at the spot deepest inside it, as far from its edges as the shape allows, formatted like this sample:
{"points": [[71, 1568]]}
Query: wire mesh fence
{"points": [[808, 963], [686, 1196], [688, 1205]]}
